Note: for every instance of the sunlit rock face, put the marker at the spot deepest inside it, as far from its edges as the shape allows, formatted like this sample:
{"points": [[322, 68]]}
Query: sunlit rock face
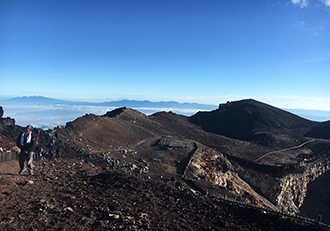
{"points": [[208, 165]]}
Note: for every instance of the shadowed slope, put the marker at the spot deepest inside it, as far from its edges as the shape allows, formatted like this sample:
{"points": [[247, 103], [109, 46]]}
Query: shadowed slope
{"points": [[246, 118], [322, 131]]}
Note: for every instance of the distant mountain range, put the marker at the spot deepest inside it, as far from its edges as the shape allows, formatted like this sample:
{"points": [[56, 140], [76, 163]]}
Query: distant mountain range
{"points": [[47, 112], [40, 100]]}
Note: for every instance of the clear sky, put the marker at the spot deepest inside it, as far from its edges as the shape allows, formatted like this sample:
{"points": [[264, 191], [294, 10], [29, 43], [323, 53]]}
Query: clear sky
{"points": [[208, 51]]}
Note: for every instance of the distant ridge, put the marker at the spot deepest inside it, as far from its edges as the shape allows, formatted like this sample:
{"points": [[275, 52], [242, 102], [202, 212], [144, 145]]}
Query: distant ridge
{"points": [[40, 100], [35, 100]]}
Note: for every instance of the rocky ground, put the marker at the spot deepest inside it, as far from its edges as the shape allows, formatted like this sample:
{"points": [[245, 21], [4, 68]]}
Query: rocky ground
{"points": [[128, 171], [78, 194]]}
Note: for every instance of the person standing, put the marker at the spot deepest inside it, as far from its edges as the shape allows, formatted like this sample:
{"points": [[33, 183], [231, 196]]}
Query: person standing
{"points": [[37, 148], [57, 156], [26, 142], [52, 149], [39, 153]]}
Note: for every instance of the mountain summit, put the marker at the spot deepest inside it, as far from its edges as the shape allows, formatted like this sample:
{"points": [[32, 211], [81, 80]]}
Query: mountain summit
{"points": [[247, 118]]}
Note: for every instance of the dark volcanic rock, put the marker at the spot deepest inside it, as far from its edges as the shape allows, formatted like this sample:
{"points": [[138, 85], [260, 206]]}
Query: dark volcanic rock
{"points": [[67, 194], [8, 132], [322, 131], [317, 199], [115, 112], [246, 118], [6, 123], [1, 112]]}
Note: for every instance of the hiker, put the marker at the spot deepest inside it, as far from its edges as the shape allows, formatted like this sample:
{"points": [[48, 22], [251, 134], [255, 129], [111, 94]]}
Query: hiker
{"points": [[51, 149], [38, 148], [26, 142], [37, 153], [40, 153], [57, 153]]}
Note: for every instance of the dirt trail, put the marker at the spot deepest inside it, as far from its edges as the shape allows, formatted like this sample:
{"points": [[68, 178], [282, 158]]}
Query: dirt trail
{"points": [[283, 150]]}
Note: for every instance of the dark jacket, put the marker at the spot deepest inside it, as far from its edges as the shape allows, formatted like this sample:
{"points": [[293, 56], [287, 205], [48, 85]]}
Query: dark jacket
{"points": [[29, 147], [51, 147]]}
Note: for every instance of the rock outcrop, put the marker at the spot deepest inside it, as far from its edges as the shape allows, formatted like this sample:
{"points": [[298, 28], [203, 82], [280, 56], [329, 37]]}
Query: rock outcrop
{"points": [[1, 112], [8, 131], [211, 166], [289, 191]]}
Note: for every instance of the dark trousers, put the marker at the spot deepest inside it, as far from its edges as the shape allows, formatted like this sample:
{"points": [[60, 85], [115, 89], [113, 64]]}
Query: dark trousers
{"points": [[51, 155], [37, 155], [28, 156]]}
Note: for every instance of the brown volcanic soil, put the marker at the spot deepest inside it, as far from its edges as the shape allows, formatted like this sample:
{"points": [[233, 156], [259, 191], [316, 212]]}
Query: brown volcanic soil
{"points": [[124, 128], [72, 194], [87, 194]]}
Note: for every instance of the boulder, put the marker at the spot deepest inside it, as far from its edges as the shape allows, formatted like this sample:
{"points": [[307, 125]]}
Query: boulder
{"points": [[1, 112]]}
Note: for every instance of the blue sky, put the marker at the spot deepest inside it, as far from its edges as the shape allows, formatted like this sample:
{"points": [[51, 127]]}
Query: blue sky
{"points": [[207, 52]]}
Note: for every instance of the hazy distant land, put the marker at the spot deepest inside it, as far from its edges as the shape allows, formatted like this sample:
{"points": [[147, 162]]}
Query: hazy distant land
{"points": [[47, 113]]}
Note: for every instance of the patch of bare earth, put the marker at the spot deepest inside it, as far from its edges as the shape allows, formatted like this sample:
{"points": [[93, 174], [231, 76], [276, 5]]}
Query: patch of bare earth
{"points": [[73, 194]]}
